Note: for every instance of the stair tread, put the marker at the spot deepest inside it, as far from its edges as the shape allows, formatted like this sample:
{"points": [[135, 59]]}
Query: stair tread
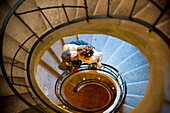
{"points": [[132, 100], [135, 60], [107, 50], [20, 32], [17, 72], [57, 48], [148, 14], [124, 8], [11, 46], [91, 8], [46, 80], [71, 12], [47, 57], [139, 6], [80, 12], [37, 24], [113, 5], [123, 52], [53, 15], [98, 41], [166, 16], [85, 37], [5, 90], [138, 88], [138, 74], [68, 39], [98, 9], [164, 27]]}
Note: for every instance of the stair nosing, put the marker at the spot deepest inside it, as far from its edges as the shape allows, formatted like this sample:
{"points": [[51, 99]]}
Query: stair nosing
{"points": [[132, 83]]}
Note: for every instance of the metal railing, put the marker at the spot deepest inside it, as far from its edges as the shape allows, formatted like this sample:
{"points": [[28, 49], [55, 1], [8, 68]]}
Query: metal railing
{"points": [[109, 71], [29, 87]]}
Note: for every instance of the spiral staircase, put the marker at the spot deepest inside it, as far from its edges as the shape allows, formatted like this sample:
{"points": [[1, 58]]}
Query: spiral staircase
{"points": [[133, 35]]}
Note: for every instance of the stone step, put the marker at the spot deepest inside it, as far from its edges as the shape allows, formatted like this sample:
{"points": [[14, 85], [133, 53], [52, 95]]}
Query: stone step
{"points": [[19, 31], [164, 18], [139, 6], [135, 60], [46, 81], [91, 8], [140, 73], [161, 4], [98, 41], [52, 96], [148, 14], [80, 12], [37, 24], [11, 2], [113, 5], [68, 39], [124, 8], [122, 53], [137, 88], [98, 9], [110, 47], [5, 89], [57, 48], [165, 26], [17, 70], [132, 100], [51, 61], [11, 46], [86, 37], [71, 12], [53, 15]]}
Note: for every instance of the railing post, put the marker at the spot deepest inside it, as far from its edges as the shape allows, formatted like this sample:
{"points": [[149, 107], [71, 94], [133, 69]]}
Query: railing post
{"points": [[163, 11], [86, 9], [108, 8], [45, 17], [65, 12], [134, 4]]}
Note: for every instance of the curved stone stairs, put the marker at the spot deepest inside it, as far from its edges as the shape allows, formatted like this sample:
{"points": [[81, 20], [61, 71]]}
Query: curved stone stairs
{"points": [[125, 57]]}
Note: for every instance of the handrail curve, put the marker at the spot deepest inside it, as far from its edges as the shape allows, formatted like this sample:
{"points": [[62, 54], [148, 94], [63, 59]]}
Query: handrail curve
{"points": [[108, 71]]}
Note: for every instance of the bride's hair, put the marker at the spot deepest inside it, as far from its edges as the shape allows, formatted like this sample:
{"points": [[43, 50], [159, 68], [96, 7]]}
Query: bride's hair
{"points": [[85, 50]]}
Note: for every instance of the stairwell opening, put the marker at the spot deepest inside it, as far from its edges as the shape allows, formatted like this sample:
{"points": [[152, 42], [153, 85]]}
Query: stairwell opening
{"points": [[114, 54]]}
